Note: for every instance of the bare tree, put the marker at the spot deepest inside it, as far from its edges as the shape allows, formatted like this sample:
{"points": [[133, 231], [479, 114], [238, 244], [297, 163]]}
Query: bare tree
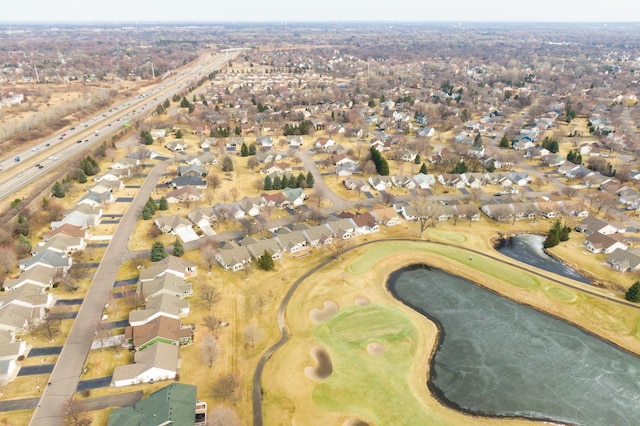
{"points": [[209, 349], [8, 259], [222, 415], [69, 283], [208, 294], [208, 254], [568, 191], [253, 162], [214, 181], [425, 210], [252, 334], [212, 323], [234, 193], [47, 328], [226, 387]]}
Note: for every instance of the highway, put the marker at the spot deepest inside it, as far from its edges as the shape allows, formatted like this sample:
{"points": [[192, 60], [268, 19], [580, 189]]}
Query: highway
{"points": [[57, 149]]}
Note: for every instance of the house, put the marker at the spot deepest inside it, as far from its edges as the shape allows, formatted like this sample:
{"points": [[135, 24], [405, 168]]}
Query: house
{"points": [[203, 217], [625, 260], [233, 258], [113, 175], [592, 225], [318, 236], [264, 141], [324, 143], [61, 243], [252, 206], [342, 228], [52, 259], [208, 143], [185, 194], [156, 362], [176, 146], [258, 247], [10, 353], [409, 156], [192, 170], [95, 199], [194, 181], [296, 196], [294, 141], [172, 224], [23, 307], [172, 405], [426, 132], [269, 157], [356, 185], [165, 284], [163, 305], [161, 329], [365, 223], [203, 159], [403, 182], [234, 143], [276, 168], [106, 186], [348, 169], [176, 266], [607, 244], [66, 229], [519, 178], [278, 200], [125, 163], [83, 216], [158, 133], [293, 242], [380, 183], [387, 216], [424, 181], [39, 275]]}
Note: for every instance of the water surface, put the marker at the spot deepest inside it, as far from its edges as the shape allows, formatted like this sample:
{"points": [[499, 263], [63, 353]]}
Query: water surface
{"points": [[528, 248], [499, 358]]}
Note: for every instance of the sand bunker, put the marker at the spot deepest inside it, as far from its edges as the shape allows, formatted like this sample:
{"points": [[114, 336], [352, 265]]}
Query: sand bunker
{"points": [[354, 422], [324, 368], [320, 315], [375, 349], [362, 301]]}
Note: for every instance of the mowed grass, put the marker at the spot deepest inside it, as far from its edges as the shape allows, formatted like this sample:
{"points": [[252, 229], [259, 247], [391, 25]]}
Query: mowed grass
{"points": [[372, 387]]}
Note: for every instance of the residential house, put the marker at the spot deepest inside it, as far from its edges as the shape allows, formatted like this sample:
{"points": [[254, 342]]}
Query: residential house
{"points": [[625, 260], [95, 199], [203, 159], [192, 170], [318, 236], [194, 181], [296, 196], [186, 194], [113, 175], [290, 241], [234, 144], [83, 216], [365, 223], [52, 259], [356, 185], [39, 275], [380, 183], [424, 181], [592, 225], [173, 265], [156, 362], [165, 284], [264, 142], [204, 218], [175, 404], [162, 305], [208, 143], [162, 329], [24, 306], [276, 168], [403, 182], [174, 224], [387, 216], [343, 228], [176, 146], [258, 247], [324, 143], [125, 163], [269, 157], [233, 258], [278, 200], [597, 242], [252, 206], [294, 141], [10, 353]]}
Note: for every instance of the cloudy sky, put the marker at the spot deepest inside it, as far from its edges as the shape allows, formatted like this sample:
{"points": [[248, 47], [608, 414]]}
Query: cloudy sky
{"points": [[323, 10]]}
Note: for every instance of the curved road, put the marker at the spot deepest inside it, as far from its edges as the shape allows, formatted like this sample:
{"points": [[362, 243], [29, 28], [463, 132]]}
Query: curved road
{"points": [[284, 329]]}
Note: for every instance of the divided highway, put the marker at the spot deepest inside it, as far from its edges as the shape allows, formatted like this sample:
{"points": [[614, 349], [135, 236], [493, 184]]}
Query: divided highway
{"points": [[20, 170]]}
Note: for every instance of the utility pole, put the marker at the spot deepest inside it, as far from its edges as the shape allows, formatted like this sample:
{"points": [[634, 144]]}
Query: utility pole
{"points": [[153, 73], [37, 78]]}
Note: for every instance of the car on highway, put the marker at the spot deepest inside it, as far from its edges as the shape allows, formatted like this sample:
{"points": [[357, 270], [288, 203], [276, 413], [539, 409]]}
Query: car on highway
{"points": [[79, 141], [35, 148], [47, 144]]}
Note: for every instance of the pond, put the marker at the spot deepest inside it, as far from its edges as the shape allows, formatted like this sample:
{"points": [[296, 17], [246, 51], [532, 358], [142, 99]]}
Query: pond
{"points": [[499, 358], [527, 248]]}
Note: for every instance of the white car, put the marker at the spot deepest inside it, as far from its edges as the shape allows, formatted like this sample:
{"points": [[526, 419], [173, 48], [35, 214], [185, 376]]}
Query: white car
{"points": [[35, 148]]}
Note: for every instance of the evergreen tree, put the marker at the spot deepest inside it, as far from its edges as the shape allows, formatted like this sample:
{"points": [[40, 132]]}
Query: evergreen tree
{"points": [[152, 205], [300, 181], [158, 252], [633, 294], [244, 150], [284, 182], [80, 176], [477, 141], [58, 190], [310, 180], [265, 262], [268, 183], [24, 245], [178, 248], [504, 142], [423, 169], [163, 204], [179, 134], [146, 213], [459, 168], [237, 131], [384, 167], [22, 227], [252, 149], [277, 182], [417, 160]]}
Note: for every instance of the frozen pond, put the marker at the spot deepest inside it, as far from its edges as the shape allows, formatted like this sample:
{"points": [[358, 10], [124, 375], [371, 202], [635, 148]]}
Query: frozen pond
{"points": [[527, 248], [499, 358]]}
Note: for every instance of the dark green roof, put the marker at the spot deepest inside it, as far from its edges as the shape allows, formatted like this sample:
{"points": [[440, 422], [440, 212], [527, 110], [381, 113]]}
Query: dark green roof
{"points": [[176, 403]]}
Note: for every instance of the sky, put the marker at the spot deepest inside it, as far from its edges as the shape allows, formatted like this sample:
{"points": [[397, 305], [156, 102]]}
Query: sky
{"points": [[319, 11]]}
